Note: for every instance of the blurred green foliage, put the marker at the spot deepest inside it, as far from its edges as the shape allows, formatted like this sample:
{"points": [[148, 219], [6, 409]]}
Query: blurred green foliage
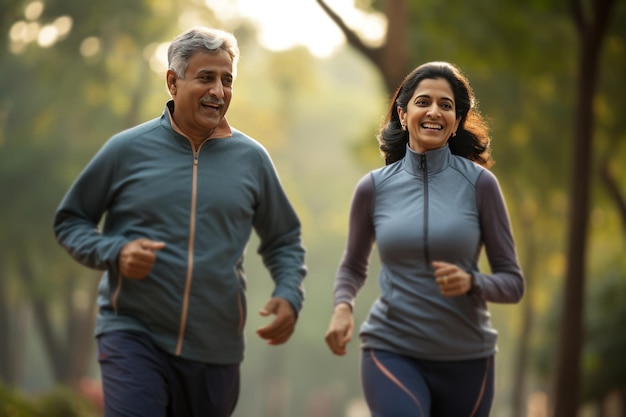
{"points": [[318, 118], [58, 402]]}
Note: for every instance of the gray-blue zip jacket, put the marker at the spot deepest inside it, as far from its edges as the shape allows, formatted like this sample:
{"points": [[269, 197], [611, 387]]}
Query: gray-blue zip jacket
{"points": [[147, 182], [427, 207]]}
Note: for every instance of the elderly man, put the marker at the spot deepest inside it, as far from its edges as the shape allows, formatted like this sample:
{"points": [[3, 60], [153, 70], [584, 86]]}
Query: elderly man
{"points": [[180, 195]]}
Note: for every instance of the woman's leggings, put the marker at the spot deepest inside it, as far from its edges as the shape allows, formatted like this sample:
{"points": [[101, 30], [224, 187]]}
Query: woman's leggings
{"points": [[399, 386]]}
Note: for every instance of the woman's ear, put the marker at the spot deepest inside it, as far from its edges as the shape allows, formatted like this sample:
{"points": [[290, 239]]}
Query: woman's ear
{"points": [[401, 116], [456, 124]]}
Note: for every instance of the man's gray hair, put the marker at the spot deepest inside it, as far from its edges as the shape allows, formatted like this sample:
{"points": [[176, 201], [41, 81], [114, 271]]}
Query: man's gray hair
{"points": [[200, 39]]}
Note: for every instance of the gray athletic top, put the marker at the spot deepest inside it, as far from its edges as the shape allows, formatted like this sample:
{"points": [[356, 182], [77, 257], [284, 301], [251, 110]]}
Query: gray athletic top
{"points": [[429, 207]]}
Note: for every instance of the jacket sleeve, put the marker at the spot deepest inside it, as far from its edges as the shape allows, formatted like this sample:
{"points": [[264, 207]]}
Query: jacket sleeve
{"points": [[279, 230], [352, 271], [505, 283], [77, 219]]}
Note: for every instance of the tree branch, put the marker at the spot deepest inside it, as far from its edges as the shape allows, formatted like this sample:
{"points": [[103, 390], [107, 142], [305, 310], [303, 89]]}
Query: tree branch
{"points": [[373, 54]]}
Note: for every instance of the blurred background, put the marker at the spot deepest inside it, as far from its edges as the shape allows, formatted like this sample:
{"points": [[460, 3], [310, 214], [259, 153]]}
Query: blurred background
{"points": [[313, 86]]}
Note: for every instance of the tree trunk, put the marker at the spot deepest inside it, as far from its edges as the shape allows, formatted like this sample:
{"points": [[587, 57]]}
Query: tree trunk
{"points": [[7, 364], [68, 356], [394, 64], [42, 319], [518, 396], [568, 371], [81, 339]]}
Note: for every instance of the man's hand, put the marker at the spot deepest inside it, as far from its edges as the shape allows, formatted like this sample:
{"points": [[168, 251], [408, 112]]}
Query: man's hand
{"points": [[137, 257], [283, 325], [340, 329]]}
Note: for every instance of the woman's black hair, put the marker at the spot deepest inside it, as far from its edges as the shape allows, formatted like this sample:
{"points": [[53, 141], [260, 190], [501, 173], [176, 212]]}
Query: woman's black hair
{"points": [[472, 139]]}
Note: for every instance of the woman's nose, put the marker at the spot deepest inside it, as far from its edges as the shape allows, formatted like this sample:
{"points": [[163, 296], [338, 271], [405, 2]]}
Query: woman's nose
{"points": [[433, 111]]}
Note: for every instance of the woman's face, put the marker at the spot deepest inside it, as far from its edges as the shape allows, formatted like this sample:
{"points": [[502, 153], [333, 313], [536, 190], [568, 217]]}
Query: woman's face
{"points": [[430, 115]]}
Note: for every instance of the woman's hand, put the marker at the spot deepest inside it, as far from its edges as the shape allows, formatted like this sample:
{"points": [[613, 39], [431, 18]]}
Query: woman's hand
{"points": [[340, 329], [451, 279]]}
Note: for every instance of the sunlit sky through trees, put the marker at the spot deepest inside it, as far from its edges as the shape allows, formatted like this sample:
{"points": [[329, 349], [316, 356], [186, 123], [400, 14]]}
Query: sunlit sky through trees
{"points": [[283, 24]]}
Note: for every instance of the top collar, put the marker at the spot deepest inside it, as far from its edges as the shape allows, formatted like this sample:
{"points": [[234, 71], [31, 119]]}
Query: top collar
{"points": [[429, 162]]}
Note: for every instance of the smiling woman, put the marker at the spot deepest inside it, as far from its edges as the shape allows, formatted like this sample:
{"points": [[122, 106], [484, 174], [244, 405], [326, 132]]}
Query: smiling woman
{"points": [[283, 24], [430, 212]]}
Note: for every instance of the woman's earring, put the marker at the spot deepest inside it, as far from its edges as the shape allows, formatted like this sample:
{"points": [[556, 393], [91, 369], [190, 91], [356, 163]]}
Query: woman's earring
{"points": [[454, 134], [403, 126]]}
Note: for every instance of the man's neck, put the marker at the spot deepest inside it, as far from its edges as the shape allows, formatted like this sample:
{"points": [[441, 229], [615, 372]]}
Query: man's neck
{"points": [[222, 130]]}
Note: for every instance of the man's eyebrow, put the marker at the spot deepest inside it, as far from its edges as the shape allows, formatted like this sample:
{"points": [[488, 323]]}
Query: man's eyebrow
{"points": [[212, 72]]}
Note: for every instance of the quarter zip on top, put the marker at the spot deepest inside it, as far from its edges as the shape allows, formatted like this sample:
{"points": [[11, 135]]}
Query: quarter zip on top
{"points": [[190, 249], [424, 168]]}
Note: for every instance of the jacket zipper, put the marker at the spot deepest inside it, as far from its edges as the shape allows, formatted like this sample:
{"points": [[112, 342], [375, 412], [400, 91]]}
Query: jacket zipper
{"points": [[192, 233], [424, 167]]}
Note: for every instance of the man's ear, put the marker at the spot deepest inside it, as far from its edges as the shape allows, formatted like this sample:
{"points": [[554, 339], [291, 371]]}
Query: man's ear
{"points": [[170, 79]]}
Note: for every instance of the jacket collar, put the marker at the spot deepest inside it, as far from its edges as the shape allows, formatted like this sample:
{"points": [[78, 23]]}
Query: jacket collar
{"points": [[429, 162], [222, 130]]}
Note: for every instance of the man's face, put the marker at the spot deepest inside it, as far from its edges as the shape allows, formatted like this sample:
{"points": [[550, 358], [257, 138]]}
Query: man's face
{"points": [[201, 99]]}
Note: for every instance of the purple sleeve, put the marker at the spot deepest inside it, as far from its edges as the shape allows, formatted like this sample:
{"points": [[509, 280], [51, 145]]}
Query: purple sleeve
{"points": [[354, 265], [505, 283]]}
